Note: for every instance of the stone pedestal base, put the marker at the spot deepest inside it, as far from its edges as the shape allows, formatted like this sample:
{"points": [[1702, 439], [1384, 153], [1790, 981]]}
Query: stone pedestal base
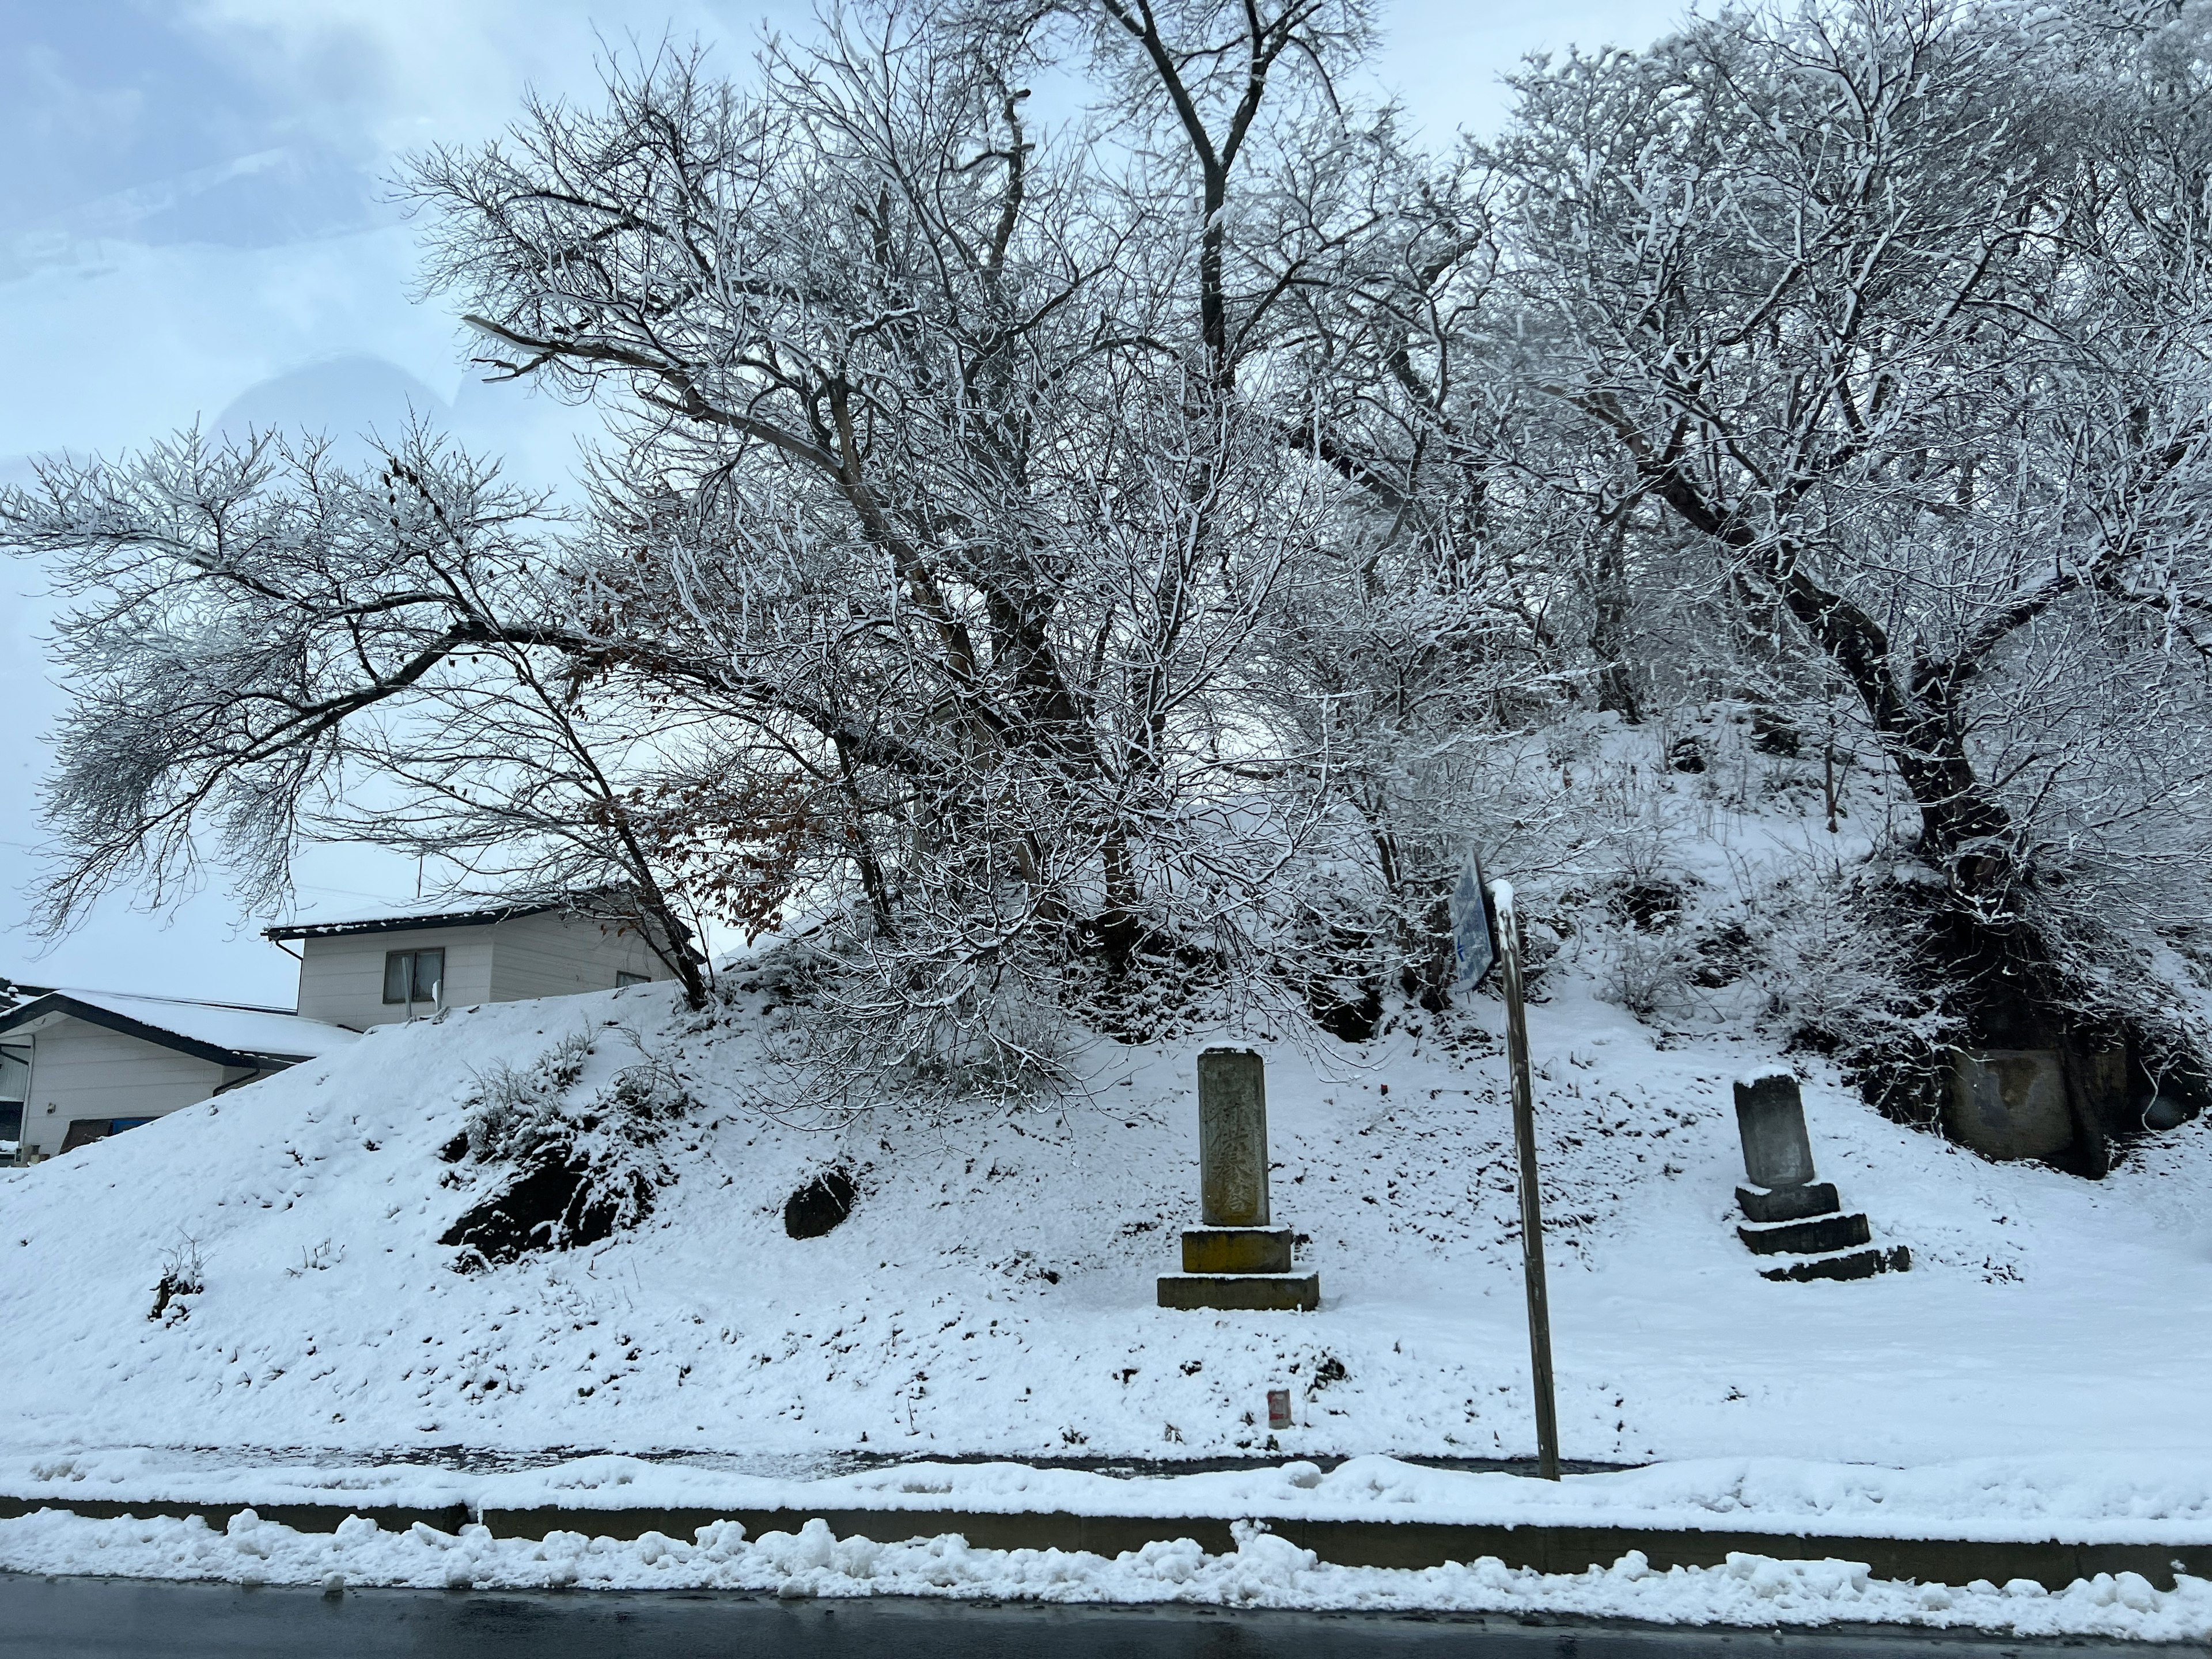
{"points": [[1788, 1203], [1247, 1269], [1814, 1237], [1809, 1223], [1236, 1249], [1242, 1292]]}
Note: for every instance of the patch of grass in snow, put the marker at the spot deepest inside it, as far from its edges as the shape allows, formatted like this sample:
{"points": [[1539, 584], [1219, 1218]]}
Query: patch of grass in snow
{"points": [[566, 1173]]}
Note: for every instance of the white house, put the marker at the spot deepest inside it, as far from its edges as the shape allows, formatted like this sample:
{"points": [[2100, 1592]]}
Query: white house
{"points": [[372, 972], [93, 1063], [78, 1065]]}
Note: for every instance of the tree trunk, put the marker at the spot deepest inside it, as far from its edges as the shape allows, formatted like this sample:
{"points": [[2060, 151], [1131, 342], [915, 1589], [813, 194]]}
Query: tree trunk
{"points": [[655, 914], [1118, 924], [1964, 829], [1616, 680]]}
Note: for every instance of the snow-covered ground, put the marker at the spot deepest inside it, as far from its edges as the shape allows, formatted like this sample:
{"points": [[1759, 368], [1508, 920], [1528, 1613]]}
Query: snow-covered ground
{"points": [[993, 1292], [2109, 1499], [2039, 1373]]}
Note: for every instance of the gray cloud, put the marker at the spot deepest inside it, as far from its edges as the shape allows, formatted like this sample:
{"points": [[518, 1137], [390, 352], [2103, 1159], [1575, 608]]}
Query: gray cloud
{"points": [[99, 97]]}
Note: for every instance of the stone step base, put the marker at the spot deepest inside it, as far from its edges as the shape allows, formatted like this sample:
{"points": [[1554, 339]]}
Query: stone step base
{"points": [[1789, 1203], [1242, 1292], [1844, 1264], [1816, 1238], [1236, 1249]]}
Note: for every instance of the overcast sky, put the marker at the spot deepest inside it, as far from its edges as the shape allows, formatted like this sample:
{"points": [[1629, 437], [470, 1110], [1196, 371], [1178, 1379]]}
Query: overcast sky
{"points": [[190, 230]]}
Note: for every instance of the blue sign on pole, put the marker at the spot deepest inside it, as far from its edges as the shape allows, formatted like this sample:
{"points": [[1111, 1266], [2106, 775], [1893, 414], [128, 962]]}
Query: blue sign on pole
{"points": [[1473, 930]]}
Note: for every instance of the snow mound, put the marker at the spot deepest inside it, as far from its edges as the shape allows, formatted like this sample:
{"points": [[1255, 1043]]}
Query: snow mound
{"points": [[1263, 1571], [991, 1291]]}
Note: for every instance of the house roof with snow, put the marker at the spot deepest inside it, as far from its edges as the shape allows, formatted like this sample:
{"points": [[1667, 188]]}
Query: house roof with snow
{"points": [[602, 904], [400, 921], [227, 1033]]}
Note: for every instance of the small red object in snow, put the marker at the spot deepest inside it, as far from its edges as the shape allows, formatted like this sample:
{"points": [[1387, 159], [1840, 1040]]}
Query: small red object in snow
{"points": [[1278, 1408]]}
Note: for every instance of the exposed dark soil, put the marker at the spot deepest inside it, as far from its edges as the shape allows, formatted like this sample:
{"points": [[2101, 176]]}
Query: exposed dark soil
{"points": [[820, 1207], [551, 1205]]}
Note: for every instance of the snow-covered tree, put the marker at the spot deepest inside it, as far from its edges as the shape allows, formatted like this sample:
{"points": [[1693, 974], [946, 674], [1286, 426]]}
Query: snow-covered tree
{"points": [[926, 559], [1145, 544], [1899, 309]]}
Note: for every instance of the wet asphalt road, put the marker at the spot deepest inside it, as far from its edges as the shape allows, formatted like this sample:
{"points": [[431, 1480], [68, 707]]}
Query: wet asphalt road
{"points": [[115, 1619]]}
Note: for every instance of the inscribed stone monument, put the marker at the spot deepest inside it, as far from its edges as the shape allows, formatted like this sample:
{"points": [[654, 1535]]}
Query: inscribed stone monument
{"points": [[1232, 1138], [1787, 1213], [2010, 1102], [1235, 1258]]}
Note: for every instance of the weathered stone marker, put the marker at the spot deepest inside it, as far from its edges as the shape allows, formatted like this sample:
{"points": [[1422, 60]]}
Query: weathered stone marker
{"points": [[1770, 1117], [1236, 1259], [2010, 1102], [1787, 1213], [1232, 1138]]}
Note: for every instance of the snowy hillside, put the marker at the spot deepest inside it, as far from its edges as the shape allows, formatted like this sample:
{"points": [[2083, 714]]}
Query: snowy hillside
{"points": [[992, 1289]]}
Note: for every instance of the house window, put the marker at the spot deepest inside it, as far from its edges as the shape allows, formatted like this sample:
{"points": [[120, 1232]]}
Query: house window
{"points": [[621, 980], [414, 975]]}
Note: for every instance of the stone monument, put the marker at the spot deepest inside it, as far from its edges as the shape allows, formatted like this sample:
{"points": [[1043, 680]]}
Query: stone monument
{"points": [[1777, 1155], [2010, 1102], [1786, 1211], [1235, 1258], [1232, 1138]]}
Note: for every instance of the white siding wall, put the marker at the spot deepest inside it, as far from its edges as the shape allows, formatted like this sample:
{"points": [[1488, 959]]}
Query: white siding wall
{"points": [[342, 979], [552, 955], [79, 1070]]}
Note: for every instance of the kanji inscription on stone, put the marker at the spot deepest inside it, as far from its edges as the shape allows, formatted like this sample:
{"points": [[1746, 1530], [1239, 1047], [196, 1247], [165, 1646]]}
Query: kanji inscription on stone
{"points": [[1232, 1138]]}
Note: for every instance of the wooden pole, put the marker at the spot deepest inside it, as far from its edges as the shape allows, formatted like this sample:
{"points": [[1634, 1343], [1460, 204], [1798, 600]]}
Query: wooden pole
{"points": [[1532, 1210]]}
